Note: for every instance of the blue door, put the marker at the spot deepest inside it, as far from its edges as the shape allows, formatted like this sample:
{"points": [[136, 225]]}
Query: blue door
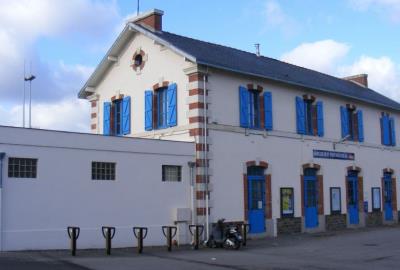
{"points": [[387, 195], [352, 193], [256, 204], [310, 199]]}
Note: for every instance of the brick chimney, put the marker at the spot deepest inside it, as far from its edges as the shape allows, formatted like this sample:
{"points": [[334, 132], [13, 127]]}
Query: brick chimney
{"points": [[361, 79], [151, 19]]}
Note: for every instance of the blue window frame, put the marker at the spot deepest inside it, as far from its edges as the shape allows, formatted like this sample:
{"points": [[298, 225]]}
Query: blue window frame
{"points": [[352, 123], [388, 133], [117, 113], [309, 108], [309, 116], [254, 109], [162, 108]]}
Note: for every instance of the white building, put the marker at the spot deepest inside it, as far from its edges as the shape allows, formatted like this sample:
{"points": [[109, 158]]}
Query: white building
{"points": [[284, 148]]}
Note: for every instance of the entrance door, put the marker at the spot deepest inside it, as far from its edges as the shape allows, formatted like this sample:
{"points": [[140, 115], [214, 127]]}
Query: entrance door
{"points": [[387, 195], [352, 193], [310, 198], [256, 204]]}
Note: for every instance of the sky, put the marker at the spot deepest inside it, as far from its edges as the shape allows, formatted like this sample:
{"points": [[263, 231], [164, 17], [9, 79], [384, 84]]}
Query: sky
{"points": [[62, 42]]}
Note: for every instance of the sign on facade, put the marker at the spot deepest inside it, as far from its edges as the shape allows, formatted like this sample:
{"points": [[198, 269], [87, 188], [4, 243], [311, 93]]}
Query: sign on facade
{"points": [[333, 155]]}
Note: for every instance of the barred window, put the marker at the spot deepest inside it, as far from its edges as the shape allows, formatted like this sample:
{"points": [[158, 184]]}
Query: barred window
{"points": [[103, 170], [22, 167], [171, 173]]}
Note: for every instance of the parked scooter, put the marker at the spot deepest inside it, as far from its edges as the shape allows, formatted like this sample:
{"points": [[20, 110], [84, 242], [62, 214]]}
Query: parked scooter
{"points": [[224, 236]]}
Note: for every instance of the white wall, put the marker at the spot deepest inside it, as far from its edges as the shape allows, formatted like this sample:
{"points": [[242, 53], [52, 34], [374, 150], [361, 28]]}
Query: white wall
{"points": [[36, 212]]}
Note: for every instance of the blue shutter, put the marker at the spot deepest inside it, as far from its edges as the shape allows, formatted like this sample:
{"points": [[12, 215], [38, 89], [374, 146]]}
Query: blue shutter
{"points": [[320, 119], [300, 116], [344, 116], [171, 109], [360, 126], [148, 110], [106, 118], [244, 99], [126, 115], [392, 131], [268, 111], [385, 130]]}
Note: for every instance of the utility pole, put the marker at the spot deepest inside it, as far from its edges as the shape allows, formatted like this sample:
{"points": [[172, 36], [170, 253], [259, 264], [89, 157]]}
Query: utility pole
{"points": [[30, 78], [138, 3], [23, 105]]}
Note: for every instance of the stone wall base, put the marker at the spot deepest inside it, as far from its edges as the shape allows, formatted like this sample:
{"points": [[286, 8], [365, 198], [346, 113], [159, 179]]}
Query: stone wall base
{"points": [[374, 219], [289, 225], [335, 222]]}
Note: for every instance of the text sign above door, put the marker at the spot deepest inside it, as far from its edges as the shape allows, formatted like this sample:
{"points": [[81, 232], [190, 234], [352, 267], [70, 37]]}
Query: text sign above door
{"points": [[333, 155]]}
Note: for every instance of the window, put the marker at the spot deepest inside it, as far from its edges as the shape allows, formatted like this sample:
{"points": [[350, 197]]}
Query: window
{"points": [[376, 199], [309, 116], [352, 123], [162, 107], [117, 117], [138, 60], [103, 170], [388, 134], [287, 202], [22, 167], [171, 173], [336, 204], [253, 107]]}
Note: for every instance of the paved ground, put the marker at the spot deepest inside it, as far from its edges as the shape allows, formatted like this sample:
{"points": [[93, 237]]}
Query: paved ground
{"points": [[363, 249]]}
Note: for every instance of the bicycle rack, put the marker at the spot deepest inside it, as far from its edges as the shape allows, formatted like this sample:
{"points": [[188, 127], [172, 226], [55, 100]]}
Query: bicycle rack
{"points": [[73, 234], [169, 233], [140, 234], [108, 234], [198, 230], [245, 229]]}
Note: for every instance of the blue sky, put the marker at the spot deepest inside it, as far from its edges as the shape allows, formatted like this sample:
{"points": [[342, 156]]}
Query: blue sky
{"points": [[66, 39]]}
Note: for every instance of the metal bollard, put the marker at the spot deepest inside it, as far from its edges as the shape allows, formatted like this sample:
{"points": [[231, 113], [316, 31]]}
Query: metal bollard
{"points": [[73, 233], [169, 233], [108, 234], [198, 230], [140, 234], [245, 230]]}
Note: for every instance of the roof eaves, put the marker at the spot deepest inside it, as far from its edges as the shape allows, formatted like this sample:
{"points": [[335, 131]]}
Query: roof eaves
{"points": [[295, 84]]}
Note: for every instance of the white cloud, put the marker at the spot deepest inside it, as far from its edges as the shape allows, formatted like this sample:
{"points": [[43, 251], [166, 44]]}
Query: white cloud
{"points": [[328, 55], [70, 114], [276, 18], [321, 55], [386, 8]]}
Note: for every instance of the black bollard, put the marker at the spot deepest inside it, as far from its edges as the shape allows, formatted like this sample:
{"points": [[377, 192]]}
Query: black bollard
{"points": [[140, 234], [198, 230], [245, 230], [108, 234], [73, 233], [169, 233]]}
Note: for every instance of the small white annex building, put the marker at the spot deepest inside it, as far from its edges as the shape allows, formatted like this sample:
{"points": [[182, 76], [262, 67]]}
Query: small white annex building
{"points": [[284, 148]]}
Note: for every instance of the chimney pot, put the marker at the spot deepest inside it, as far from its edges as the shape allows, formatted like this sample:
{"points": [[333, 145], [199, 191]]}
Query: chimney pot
{"points": [[151, 19], [360, 79]]}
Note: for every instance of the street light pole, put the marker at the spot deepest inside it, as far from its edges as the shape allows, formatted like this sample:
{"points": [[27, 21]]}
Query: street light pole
{"points": [[30, 79]]}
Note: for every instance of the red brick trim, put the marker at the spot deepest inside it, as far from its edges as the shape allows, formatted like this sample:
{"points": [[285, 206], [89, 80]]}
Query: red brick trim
{"points": [[93, 115], [254, 163], [196, 119], [93, 126], [309, 97], [263, 164], [388, 170], [200, 147], [320, 185], [268, 197], [302, 194], [251, 86], [196, 105], [245, 197], [251, 163], [202, 162], [382, 193], [353, 168], [360, 188], [117, 97], [346, 179], [201, 211], [142, 53], [311, 166], [93, 103], [394, 195], [158, 85], [351, 106], [197, 132], [201, 179], [197, 91], [201, 195], [197, 76]]}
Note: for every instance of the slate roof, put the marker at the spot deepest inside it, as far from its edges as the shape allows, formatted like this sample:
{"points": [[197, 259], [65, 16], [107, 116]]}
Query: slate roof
{"points": [[235, 60]]}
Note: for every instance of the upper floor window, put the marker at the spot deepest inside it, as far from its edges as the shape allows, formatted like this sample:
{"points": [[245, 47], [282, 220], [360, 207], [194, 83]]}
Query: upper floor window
{"points": [[117, 117], [171, 173], [352, 123], [22, 167], [255, 109], [161, 107], [309, 116], [388, 133]]}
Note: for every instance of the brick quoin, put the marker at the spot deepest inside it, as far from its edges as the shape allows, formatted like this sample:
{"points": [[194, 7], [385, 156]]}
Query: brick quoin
{"points": [[246, 197], [93, 103], [268, 197], [200, 147], [320, 185], [197, 132], [196, 119], [93, 115], [201, 211], [197, 91], [93, 126], [196, 77]]}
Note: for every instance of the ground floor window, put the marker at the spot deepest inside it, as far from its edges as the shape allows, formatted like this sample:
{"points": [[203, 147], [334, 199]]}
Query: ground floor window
{"points": [[22, 167], [171, 173], [103, 170], [376, 199], [336, 205], [287, 202]]}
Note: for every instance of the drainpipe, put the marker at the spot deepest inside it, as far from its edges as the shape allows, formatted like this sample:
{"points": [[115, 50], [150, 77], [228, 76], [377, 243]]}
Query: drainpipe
{"points": [[1, 200], [192, 183], [206, 153]]}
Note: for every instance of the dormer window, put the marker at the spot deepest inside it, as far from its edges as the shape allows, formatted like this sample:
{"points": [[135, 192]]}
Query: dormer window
{"points": [[352, 123]]}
